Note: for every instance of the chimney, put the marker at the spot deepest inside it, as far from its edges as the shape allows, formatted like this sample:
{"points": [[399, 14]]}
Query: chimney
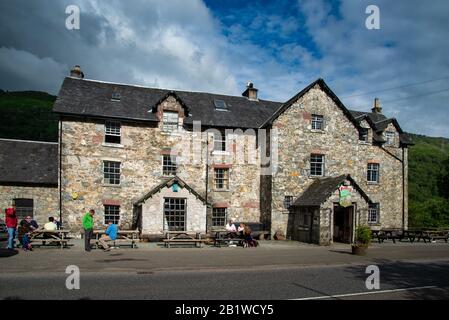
{"points": [[76, 72], [250, 92], [377, 108]]}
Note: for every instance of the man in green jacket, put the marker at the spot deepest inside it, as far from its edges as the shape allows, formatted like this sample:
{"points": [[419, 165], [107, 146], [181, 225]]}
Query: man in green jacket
{"points": [[88, 225]]}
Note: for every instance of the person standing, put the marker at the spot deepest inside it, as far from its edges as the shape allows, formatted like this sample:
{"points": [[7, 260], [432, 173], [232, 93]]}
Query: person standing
{"points": [[88, 225], [11, 224]]}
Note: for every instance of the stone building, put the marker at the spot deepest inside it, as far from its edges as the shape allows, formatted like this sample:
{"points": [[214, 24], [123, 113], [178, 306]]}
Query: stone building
{"points": [[159, 159], [29, 178]]}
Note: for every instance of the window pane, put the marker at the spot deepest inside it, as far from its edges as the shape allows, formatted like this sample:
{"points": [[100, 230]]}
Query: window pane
{"points": [[373, 172], [317, 122], [174, 214], [170, 121], [111, 172], [111, 214], [112, 132], [221, 178], [317, 165], [169, 166], [220, 141], [219, 217], [373, 213], [24, 207]]}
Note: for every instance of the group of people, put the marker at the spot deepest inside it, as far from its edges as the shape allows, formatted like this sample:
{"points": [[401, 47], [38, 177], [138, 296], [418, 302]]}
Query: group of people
{"points": [[243, 231], [24, 228], [88, 225]]}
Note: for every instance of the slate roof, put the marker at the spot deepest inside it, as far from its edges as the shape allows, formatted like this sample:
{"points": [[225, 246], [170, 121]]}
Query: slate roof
{"points": [[93, 98], [379, 123], [321, 189], [28, 162], [82, 97], [168, 183]]}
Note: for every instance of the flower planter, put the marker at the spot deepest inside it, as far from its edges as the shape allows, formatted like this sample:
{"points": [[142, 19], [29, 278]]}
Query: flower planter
{"points": [[359, 250]]}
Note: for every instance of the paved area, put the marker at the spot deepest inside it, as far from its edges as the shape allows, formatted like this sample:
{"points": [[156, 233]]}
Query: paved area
{"points": [[275, 270]]}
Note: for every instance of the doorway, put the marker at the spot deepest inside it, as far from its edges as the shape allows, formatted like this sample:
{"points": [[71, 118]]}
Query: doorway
{"points": [[343, 218]]}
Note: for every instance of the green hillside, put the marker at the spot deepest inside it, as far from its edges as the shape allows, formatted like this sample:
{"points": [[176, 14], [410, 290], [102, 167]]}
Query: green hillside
{"points": [[27, 115], [428, 182]]}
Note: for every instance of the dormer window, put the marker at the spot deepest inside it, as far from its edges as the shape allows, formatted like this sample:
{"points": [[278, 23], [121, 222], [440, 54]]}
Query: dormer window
{"points": [[219, 141], [363, 135], [170, 121], [317, 122], [389, 136], [220, 105], [116, 96]]}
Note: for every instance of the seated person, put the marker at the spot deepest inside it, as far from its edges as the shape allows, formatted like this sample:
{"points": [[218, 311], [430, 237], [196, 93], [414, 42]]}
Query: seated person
{"points": [[250, 242], [110, 235], [241, 229], [230, 227], [50, 225], [24, 230]]}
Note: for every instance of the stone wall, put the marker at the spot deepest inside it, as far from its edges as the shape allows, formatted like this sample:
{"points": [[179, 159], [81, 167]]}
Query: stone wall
{"points": [[140, 154], [343, 152], [45, 200]]}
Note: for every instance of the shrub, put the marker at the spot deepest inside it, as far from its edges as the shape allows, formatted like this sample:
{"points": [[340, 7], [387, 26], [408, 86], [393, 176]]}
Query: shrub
{"points": [[362, 236]]}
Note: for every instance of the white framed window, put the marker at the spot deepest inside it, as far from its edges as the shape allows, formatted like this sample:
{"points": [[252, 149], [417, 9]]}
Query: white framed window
{"points": [[374, 213], [170, 120], [219, 216], [389, 135], [372, 174], [317, 122], [317, 165], [111, 172], [111, 214], [219, 141], [112, 132], [169, 166], [221, 178]]}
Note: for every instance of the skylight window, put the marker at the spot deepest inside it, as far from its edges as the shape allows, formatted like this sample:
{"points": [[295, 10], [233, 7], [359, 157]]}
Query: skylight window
{"points": [[116, 96], [220, 105]]}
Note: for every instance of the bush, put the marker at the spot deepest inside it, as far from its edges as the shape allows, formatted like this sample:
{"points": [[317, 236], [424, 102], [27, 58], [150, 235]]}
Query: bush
{"points": [[362, 236]]}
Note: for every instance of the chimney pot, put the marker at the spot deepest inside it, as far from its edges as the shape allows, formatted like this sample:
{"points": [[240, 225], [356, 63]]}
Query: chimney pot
{"points": [[250, 92], [76, 72], [376, 108]]}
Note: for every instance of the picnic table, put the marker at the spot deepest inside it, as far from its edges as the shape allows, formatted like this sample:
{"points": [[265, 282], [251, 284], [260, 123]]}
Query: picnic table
{"points": [[184, 237], [433, 235], [53, 236], [394, 234], [123, 236], [224, 236]]}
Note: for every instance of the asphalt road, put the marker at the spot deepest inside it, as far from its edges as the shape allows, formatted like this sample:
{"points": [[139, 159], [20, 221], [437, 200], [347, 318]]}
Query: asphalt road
{"points": [[421, 280]]}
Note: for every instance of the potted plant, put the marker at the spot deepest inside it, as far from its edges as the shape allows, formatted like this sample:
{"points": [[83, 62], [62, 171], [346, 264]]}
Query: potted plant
{"points": [[362, 240]]}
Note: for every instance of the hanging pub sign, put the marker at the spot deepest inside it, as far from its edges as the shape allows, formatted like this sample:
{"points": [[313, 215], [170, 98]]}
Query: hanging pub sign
{"points": [[345, 194]]}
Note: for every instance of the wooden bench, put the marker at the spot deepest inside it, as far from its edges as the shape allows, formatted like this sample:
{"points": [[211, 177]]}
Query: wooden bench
{"points": [[126, 237], [50, 236], [183, 237], [223, 236], [433, 235]]}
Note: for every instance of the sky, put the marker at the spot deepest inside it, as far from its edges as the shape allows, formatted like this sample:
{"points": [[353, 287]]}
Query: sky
{"points": [[219, 45]]}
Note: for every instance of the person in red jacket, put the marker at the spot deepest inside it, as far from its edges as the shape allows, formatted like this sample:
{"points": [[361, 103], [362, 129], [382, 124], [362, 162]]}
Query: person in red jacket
{"points": [[11, 224]]}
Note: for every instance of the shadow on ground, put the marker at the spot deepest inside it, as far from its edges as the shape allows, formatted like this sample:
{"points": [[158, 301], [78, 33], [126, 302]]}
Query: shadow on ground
{"points": [[5, 253], [400, 275]]}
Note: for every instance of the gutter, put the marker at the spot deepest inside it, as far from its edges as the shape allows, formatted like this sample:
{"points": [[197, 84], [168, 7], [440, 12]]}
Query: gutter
{"points": [[60, 170]]}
